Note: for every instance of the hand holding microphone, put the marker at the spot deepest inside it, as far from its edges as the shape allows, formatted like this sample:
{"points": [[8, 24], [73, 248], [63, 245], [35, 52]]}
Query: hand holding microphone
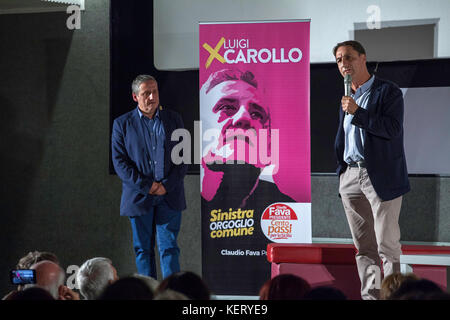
{"points": [[348, 104]]}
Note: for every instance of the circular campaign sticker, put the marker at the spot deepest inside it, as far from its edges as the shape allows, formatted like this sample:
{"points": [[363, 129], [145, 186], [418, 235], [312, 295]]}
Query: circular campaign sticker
{"points": [[279, 222]]}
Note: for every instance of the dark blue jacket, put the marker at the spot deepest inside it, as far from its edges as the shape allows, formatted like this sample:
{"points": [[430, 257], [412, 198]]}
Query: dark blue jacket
{"points": [[131, 162], [382, 124]]}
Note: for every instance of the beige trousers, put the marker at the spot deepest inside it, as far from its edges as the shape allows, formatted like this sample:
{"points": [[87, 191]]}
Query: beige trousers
{"points": [[374, 227]]}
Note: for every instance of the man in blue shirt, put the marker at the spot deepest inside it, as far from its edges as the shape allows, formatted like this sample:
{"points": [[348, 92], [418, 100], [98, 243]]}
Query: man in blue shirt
{"points": [[371, 165], [152, 185]]}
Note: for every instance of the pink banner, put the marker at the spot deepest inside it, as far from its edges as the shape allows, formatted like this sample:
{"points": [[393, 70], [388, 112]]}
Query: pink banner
{"points": [[254, 112]]}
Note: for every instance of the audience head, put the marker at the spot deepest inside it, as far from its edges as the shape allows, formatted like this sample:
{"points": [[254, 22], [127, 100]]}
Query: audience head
{"points": [[128, 288], [188, 283], [170, 295], [392, 282], [436, 296], [325, 293], [33, 293], [49, 276], [151, 282], [284, 287], [412, 289], [94, 276], [34, 257]]}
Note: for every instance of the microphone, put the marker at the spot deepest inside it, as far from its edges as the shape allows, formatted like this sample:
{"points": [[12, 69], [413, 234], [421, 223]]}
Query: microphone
{"points": [[347, 86]]}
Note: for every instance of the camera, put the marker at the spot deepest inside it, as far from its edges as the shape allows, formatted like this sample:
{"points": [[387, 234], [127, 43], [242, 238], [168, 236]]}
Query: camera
{"points": [[23, 276]]}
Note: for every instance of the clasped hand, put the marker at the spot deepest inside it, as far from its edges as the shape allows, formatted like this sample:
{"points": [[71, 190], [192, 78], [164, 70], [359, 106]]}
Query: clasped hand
{"points": [[157, 189]]}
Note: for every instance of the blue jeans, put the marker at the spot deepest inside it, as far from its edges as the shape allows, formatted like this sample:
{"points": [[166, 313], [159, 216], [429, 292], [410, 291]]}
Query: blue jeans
{"points": [[164, 223]]}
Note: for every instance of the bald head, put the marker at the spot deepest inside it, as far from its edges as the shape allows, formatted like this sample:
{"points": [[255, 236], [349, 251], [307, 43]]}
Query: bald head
{"points": [[49, 276]]}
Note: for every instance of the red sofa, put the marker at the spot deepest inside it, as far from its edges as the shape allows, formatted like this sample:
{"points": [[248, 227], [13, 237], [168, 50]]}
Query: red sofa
{"points": [[334, 264]]}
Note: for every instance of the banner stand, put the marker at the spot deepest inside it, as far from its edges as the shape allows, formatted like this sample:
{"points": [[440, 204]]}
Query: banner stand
{"points": [[255, 171]]}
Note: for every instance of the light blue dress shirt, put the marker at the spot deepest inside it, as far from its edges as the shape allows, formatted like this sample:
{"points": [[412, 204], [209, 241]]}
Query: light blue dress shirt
{"points": [[354, 138], [154, 136]]}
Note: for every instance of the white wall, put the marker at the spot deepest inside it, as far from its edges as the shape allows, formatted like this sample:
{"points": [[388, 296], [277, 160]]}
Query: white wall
{"points": [[176, 22]]}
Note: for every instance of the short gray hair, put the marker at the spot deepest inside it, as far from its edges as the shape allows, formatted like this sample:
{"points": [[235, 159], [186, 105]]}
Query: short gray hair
{"points": [[139, 80], [94, 276]]}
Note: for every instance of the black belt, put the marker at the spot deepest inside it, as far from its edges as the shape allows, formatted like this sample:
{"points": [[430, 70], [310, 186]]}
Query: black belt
{"points": [[358, 164]]}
